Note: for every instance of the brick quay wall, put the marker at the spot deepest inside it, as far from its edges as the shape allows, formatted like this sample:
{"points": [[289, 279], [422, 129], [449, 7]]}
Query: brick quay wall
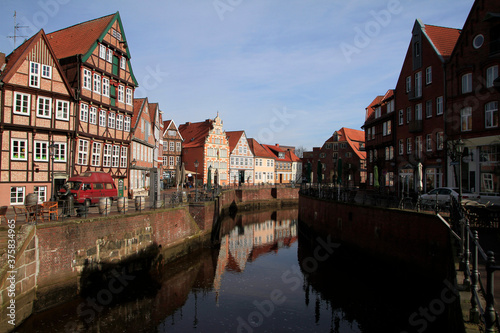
{"points": [[54, 261]]}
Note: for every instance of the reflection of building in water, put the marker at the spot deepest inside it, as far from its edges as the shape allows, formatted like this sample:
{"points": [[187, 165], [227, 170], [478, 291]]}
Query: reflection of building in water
{"points": [[247, 243]]}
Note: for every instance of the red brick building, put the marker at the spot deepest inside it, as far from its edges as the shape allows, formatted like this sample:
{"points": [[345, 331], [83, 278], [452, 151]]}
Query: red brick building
{"points": [[172, 150], [37, 112], [420, 103], [473, 87], [95, 58]]}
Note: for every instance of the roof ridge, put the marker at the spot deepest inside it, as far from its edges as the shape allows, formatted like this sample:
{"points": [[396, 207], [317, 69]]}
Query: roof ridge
{"points": [[74, 25]]}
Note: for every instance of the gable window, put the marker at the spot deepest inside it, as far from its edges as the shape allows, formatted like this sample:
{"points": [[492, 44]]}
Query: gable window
{"points": [[418, 84], [467, 83], [428, 75], [111, 120], [171, 146], [44, 107], [116, 34], [428, 109], [109, 55], [126, 124], [120, 93], [62, 110], [491, 114], [178, 146], [102, 51], [408, 84], [123, 62], [401, 117], [34, 79], [84, 112], [128, 97], [83, 152], [97, 83], [106, 157], [119, 122], [491, 75], [466, 119], [22, 104], [41, 151], [18, 149], [96, 154], [47, 72], [93, 115], [439, 105], [87, 79], [60, 151]]}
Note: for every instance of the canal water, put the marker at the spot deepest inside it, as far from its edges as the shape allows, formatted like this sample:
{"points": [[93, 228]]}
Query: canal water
{"points": [[267, 275]]}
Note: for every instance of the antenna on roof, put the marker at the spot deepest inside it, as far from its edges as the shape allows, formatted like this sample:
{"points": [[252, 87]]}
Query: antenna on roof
{"points": [[16, 29]]}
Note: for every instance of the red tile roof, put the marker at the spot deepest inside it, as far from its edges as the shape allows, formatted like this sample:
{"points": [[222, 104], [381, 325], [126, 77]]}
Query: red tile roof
{"points": [[370, 112], [258, 150], [443, 39], [194, 134], [275, 150], [78, 39], [138, 105], [233, 137], [353, 138]]}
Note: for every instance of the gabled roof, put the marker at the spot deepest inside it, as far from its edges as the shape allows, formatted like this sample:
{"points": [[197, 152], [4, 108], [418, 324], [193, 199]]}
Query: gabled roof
{"points": [[233, 137], [275, 150], [170, 125], [443, 39], [292, 156], [388, 95], [370, 110], [139, 104], [353, 138], [153, 112], [258, 150], [15, 59], [195, 134]]}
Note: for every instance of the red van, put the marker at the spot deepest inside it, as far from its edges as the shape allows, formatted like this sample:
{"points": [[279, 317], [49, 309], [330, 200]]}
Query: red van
{"points": [[90, 186]]}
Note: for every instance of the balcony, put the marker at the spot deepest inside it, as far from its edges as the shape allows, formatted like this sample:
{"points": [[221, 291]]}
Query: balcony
{"points": [[415, 126]]}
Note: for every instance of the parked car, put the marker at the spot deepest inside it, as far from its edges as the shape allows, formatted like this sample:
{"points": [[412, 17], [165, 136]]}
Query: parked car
{"points": [[442, 194], [91, 186]]}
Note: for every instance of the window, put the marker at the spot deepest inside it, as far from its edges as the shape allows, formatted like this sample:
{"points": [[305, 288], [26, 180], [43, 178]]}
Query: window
{"points": [[386, 128], [401, 147], [97, 83], [105, 86], [120, 93], [83, 152], [123, 157], [428, 75], [34, 79], [17, 195], [418, 112], [41, 193], [106, 157], [111, 120], [126, 126], [119, 122], [370, 155], [41, 153], [84, 112], [418, 146], [102, 118], [408, 146], [439, 140], [172, 145], [22, 104], [408, 84], [128, 97], [123, 62], [389, 127], [439, 105], [378, 112], [401, 117], [418, 84], [178, 146], [466, 119], [428, 142], [467, 83], [491, 114], [115, 157], [47, 72], [390, 106], [60, 151], [408, 114], [102, 51], [93, 115], [96, 154], [491, 75], [171, 161], [44, 107], [428, 109], [62, 110], [87, 79], [109, 56]]}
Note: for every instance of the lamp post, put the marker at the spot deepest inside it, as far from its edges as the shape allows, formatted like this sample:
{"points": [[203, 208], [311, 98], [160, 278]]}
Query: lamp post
{"points": [[52, 152], [196, 164]]}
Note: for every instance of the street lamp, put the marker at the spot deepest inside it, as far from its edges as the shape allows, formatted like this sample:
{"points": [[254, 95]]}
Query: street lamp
{"points": [[52, 152], [196, 164]]}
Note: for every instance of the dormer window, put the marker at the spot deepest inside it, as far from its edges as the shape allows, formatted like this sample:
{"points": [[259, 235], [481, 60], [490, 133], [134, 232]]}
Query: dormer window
{"points": [[378, 112]]}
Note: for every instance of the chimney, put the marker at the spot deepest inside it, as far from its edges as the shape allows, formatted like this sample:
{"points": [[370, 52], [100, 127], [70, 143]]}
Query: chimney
{"points": [[2, 61], [278, 145]]}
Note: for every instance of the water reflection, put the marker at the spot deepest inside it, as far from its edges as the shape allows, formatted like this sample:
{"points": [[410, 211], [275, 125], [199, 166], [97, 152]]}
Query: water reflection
{"points": [[260, 279]]}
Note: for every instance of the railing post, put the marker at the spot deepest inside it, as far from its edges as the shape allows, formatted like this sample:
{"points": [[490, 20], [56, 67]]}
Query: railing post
{"points": [[490, 315], [474, 311], [466, 254]]}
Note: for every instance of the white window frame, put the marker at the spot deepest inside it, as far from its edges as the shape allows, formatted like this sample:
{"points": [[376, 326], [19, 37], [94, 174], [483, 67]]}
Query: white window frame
{"points": [[83, 152], [467, 83], [47, 72], [41, 193], [102, 51], [111, 120], [123, 62], [401, 118], [439, 106], [84, 112], [25, 100], [123, 157], [105, 86], [418, 84], [126, 124], [128, 97], [87, 79], [102, 118], [428, 142], [121, 91], [109, 56], [115, 157], [19, 195], [428, 108], [178, 146], [93, 115], [119, 122], [491, 75], [439, 140], [60, 150], [171, 145], [428, 75], [40, 151], [62, 109], [106, 156], [466, 118], [418, 111], [44, 110], [97, 83], [491, 114], [34, 77]]}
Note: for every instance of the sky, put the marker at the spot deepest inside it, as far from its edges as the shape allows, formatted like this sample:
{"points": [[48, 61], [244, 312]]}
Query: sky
{"points": [[286, 71]]}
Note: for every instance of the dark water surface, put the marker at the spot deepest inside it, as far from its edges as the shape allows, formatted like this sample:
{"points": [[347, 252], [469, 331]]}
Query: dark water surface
{"points": [[266, 276]]}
